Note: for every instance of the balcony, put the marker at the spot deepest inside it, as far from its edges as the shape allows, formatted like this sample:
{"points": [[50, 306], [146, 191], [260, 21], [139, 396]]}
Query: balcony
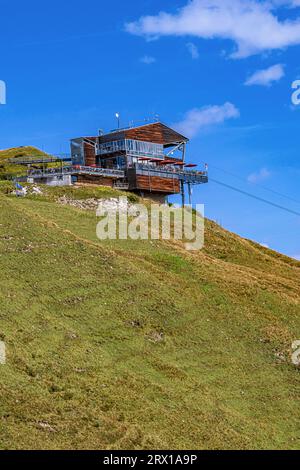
{"points": [[187, 176]]}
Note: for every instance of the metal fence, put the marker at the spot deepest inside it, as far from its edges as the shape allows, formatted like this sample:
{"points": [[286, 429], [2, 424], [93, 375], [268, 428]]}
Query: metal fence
{"points": [[75, 170], [187, 176]]}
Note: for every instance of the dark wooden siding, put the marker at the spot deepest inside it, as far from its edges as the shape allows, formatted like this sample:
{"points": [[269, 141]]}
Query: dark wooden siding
{"points": [[97, 180], [89, 154], [157, 133], [158, 184]]}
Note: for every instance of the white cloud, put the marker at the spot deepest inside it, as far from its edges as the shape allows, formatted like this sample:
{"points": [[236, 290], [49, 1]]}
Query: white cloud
{"points": [[265, 245], [262, 175], [147, 59], [198, 118], [254, 26], [267, 76], [193, 50], [288, 3]]}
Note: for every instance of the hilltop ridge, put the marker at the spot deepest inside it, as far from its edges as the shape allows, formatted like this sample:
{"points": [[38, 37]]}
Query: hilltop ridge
{"points": [[10, 170], [16, 152]]}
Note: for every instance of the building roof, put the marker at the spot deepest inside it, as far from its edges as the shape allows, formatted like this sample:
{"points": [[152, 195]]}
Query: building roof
{"points": [[156, 132]]}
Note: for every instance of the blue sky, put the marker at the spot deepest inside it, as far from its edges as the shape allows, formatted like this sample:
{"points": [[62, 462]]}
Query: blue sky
{"points": [[70, 66]]}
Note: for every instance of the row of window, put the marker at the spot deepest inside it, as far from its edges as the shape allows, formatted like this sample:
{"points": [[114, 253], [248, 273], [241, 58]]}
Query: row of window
{"points": [[133, 148]]}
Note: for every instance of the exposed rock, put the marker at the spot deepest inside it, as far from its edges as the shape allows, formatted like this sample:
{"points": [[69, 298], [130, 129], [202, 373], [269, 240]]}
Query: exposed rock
{"points": [[46, 427], [109, 205], [155, 337]]}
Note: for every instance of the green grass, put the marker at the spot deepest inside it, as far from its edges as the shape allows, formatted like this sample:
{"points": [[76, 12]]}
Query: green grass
{"points": [[83, 192], [141, 345], [9, 170]]}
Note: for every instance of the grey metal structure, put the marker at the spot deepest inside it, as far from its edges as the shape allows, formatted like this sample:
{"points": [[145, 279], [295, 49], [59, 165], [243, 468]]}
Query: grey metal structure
{"points": [[28, 160], [83, 170]]}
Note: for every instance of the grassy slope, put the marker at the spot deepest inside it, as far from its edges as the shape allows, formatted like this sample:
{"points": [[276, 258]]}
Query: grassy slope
{"points": [[81, 319], [21, 152], [9, 169]]}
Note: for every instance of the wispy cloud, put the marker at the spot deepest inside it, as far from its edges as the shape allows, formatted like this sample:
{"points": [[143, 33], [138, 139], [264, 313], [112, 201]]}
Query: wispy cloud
{"points": [[193, 50], [147, 59], [199, 118], [267, 76], [254, 26], [260, 176], [265, 245]]}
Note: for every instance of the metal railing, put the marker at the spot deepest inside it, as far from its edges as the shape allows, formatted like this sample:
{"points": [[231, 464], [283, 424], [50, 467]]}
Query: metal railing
{"points": [[34, 160], [88, 170], [169, 169], [121, 185], [75, 170], [50, 172], [187, 176]]}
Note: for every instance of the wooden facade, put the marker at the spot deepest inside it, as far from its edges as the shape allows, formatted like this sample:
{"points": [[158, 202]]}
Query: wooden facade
{"points": [[153, 181], [157, 184], [89, 152], [156, 133], [95, 180]]}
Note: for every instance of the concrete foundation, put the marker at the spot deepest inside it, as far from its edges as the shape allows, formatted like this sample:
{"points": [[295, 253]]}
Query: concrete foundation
{"points": [[63, 180]]}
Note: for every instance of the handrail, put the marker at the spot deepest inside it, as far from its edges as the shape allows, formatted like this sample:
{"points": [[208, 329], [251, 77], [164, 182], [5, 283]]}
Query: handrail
{"points": [[169, 170], [98, 171], [77, 170], [191, 176], [31, 160]]}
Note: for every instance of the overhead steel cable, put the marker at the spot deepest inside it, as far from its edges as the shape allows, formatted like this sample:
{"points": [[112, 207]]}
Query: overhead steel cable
{"points": [[265, 201], [277, 193]]}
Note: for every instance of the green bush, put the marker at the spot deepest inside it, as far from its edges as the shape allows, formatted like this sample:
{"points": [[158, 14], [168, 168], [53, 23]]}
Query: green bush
{"points": [[6, 187]]}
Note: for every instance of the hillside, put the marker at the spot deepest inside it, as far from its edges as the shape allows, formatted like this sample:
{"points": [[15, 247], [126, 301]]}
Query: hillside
{"points": [[131, 345], [8, 169], [21, 152]]}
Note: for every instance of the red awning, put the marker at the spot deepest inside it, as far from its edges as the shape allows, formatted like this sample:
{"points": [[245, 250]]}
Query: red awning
{"points": [[167, 162], [156, 160], [179, 163], [143, 159], [191, 165]]}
